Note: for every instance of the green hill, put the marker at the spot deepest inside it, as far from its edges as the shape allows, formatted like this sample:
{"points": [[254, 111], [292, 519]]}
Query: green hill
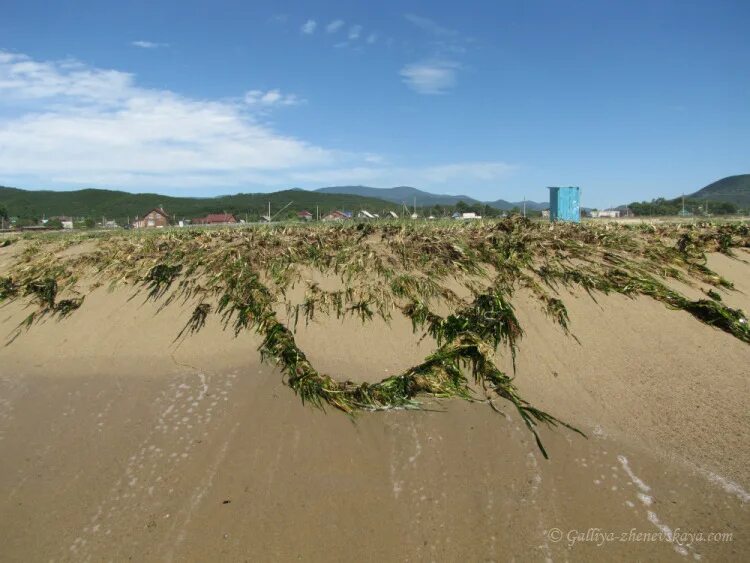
{"points": [[724, 197], [119, 205], [732, 189]]}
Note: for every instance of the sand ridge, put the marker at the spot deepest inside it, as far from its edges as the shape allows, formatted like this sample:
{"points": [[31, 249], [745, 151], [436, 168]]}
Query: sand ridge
{"points": [[119, 442]]}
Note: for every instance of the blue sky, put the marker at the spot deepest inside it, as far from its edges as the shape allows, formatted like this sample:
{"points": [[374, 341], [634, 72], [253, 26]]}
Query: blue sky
{"points": [[628, 100]]}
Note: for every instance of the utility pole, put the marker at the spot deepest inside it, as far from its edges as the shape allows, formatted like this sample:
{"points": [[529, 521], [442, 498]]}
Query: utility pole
{"points": [[683, 205], [524, 206]]}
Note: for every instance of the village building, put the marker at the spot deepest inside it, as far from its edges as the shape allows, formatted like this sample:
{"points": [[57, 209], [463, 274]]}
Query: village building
{"points": [[304, 215], [606, 214], [67, 222], [157, 218], [390, 215], [216, 219], [364, 214], [466, 216], [338, 216]]}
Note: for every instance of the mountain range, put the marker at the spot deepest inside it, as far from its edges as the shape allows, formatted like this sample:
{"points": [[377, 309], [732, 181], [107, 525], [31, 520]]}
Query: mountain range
{"points": [[406, 195], [113, 204]]}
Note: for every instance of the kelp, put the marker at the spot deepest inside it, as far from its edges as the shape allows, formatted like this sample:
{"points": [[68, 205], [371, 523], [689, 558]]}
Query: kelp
{"points": [[244, 275]]}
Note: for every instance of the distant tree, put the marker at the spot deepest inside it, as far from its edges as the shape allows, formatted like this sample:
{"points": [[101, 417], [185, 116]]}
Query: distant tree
{"points": [[661, 207], [3, 212], [89, 223], [489, 211], [55, 224]]}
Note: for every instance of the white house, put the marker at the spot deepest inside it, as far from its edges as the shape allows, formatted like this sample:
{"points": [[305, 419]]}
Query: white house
{"points": [[606, 214], [466, 216]]}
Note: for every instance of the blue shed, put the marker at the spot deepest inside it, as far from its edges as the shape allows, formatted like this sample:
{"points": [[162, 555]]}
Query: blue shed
{"points": [[564, 204]]}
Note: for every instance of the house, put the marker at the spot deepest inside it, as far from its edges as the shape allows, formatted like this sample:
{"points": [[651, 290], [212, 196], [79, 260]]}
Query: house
{"points": [[338, 216], [157, 218], [67, 222], [390, 215], [466, 216], [216, 219], [545, 213], [364, 214], [606, 214], [304, 215], [107, 225]]}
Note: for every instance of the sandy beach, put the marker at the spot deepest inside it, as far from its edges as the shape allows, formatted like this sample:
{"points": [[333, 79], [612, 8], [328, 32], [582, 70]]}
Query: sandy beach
{"points": [[374, 282], [120, 443]]}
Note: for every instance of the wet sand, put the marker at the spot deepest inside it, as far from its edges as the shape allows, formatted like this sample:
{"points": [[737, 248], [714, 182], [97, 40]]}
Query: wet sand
{"points": [[233, 467]]}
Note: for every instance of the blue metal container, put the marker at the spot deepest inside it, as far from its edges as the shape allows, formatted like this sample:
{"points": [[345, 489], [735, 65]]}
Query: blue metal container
{"points": [[564, 204]]}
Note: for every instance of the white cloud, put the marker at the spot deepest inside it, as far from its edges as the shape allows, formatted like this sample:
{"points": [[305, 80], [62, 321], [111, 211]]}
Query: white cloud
{"points": [[271, 98], [430, 77], [334, 26], [65, 124], [148, 44], [308, 27], [372, 38], [355, 31], [24, 78], [76, 124]]}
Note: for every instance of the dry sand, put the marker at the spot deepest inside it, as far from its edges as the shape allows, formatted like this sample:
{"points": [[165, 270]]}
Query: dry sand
{"points": [[117, 444]]}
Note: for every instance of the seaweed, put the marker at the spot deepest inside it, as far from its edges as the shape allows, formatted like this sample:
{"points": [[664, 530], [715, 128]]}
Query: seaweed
{"points": [[242, 276]]}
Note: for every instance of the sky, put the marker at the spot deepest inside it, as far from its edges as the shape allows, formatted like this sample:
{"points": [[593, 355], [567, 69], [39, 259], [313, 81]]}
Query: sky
{"points": [[629, 100]]}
